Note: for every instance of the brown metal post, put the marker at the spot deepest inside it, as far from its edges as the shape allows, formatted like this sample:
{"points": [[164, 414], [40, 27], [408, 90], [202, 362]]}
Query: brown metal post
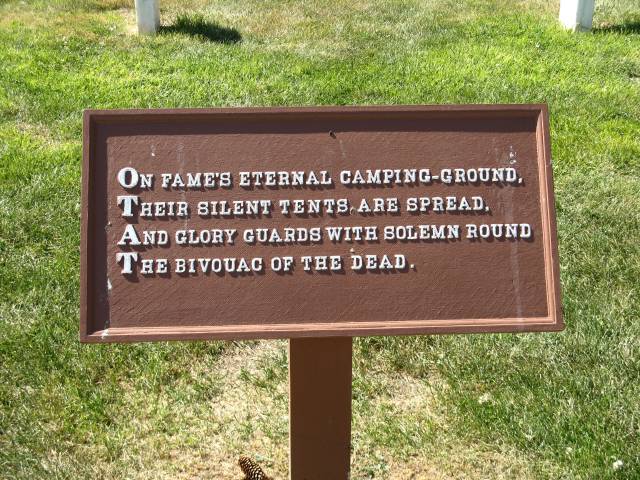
{"points": [[320, 408]]}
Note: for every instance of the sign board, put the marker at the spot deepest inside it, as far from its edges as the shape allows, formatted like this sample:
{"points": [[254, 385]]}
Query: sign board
{"points": [[302, 222]]}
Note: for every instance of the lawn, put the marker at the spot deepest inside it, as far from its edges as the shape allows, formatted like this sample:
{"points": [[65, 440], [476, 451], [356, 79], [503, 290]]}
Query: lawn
{"points": [[525, 406]]}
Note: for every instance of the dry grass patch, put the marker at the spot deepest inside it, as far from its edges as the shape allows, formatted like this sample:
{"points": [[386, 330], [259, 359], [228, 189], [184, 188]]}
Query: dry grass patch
{"points": [[400, 429], [242, 418], [462, 462], [330, 29]]}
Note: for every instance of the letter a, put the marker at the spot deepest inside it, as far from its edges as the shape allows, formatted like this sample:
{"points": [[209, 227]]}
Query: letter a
{"points": [[129, 237]]}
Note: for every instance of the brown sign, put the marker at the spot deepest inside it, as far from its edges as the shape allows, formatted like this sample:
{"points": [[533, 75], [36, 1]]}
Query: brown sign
{"points": [[263, 223]]}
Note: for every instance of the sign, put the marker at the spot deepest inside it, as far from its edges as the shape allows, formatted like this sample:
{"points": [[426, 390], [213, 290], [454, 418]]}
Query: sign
{"points": [[306, 222]]}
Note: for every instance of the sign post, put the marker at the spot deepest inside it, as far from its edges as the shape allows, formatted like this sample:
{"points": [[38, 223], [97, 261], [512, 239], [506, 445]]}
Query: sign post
{"points": [[317, 225], [577, 14], [147, 16], [320, 408]]}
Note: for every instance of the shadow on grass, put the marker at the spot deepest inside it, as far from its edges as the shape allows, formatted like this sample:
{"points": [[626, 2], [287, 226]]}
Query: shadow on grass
{"points": [[628, 27], [197, 26]]}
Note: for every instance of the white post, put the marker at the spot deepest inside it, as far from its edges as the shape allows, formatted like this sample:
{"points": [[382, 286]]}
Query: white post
{"points": [[577, 14], [148, 16]]}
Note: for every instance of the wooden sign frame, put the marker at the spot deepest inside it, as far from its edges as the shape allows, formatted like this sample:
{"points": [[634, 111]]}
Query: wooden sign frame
{"points": [[95, 327]]}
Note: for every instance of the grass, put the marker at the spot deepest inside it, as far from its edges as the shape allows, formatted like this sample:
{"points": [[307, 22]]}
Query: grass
{"points": [[198, 26], [496, 406]]}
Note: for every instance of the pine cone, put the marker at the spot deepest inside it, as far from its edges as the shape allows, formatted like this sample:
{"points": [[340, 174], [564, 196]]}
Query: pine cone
{"points": [[251, 469]]}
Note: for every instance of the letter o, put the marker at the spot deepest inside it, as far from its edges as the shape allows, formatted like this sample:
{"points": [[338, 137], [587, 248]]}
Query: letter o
{"points": [[128, 177], [276, 264], [205, 237]]}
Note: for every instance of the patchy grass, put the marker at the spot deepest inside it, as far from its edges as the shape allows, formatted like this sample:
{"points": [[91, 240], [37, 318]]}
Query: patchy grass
{"points": [[497, 406]]}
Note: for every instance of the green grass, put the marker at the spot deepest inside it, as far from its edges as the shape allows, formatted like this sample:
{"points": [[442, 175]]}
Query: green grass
{"points": [[497, 406]]}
